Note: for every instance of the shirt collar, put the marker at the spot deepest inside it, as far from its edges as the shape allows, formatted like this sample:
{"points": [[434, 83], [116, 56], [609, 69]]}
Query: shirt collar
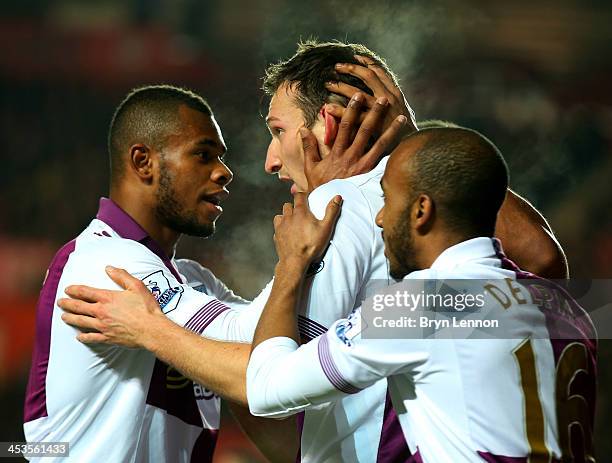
{"points": [[120, 221], [126, 227], [475, 248], [378, 170]]}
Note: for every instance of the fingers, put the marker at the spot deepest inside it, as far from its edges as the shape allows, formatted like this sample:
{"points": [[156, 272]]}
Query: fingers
{"points": [[123, 278], [311, 151], [366, 74], [349, 91], [384, 144], [87, 293], [82, 322], [332, 212], [335, 110], [287, 209], [385, 78], [372, 123], [76, 306], [92, 338], [347, 123]]}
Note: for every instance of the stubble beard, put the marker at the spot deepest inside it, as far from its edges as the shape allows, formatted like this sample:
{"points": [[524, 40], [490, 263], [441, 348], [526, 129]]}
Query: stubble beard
{"points": [[171, 212], [400, 242]]}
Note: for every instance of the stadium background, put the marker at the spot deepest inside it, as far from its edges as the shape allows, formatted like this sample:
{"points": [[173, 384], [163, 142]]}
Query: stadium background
{"points": [[531, 75]]}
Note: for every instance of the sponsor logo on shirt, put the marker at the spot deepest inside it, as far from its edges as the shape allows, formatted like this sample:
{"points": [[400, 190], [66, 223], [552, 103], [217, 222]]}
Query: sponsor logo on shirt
{"points": [[175, 380], [201, 393], [167, 297]]}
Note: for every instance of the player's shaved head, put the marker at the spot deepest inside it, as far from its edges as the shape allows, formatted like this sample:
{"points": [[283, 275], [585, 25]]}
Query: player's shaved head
{"points": [[462, 171], [147, 115], [311, 67], [436, 124]]}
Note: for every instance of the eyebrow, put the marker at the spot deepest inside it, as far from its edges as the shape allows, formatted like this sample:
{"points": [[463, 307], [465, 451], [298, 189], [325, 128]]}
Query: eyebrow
{"points": [[212, 143], [271, 118]]}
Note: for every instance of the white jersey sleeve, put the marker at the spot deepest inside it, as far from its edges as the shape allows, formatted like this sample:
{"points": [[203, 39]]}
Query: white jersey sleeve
{"points": [[283, 379], [180, 302], [237, 324], [195, 310], [202, 279]]}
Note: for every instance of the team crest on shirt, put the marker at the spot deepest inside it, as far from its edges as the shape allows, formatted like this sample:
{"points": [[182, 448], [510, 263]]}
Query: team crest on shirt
{"points": [[167, 296], [348, 328]]}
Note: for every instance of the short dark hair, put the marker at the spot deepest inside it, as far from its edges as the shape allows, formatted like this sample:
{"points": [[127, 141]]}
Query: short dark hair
{"points": [[436, 123], [465, 175], [147, 115], [311, 67]]}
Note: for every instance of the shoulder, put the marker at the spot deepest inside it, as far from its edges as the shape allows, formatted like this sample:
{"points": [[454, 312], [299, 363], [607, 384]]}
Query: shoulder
{"points": [[351, 194], [94, 252], [198, 276], [194, 271]]}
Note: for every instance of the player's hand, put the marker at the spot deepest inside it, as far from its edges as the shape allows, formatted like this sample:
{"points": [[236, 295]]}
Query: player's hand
{"points": [[381, 85], [299, 236], [348, 155], [111, 317]]}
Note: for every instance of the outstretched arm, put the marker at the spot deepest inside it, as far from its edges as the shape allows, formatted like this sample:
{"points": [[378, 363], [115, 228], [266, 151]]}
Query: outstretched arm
{"points": [[132, 318], [528, 239]]}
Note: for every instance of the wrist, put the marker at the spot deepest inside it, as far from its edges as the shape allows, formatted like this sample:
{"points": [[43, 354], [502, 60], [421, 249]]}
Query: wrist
{"points": [[159, 327], [291, 267]]}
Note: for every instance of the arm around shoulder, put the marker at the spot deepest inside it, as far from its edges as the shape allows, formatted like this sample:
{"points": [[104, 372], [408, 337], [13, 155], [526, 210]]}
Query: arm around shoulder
{"points": [[528, 239]]}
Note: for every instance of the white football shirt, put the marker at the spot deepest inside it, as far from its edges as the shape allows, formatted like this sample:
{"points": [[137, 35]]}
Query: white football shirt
{"points": [[458, 399], [118, 404], [361, 427]]}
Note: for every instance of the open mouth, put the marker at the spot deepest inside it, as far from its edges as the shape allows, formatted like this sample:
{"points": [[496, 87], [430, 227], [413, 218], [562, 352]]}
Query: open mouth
{"points": [[215, 199], [294, 188]]}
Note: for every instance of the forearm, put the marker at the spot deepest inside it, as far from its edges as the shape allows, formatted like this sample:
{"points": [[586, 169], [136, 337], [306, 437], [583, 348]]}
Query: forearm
{"points": [[278, 440], [219, 366], [279, 318], [528, 239]]}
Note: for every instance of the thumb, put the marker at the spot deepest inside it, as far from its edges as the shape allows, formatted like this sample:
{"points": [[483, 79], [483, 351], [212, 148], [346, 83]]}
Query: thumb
{"points": [[123, 278], [310, 148], [332, 212]]}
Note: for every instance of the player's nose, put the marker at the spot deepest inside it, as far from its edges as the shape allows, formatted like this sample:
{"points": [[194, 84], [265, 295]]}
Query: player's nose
{"points": [[379, 217], [273, 163], [222, 175]]}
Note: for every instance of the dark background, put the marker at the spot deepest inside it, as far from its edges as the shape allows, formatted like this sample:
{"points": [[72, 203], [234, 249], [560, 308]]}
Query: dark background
{"points": [[533, 76]]}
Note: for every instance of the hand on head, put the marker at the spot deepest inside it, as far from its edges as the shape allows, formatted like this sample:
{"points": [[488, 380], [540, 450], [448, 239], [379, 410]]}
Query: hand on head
{"points": [[349, 154], [381, 84]]}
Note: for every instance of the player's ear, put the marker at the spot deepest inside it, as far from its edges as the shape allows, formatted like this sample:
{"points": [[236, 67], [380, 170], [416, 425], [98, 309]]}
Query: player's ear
{"points": [[423, 213], [141, 161], [331, 127]]}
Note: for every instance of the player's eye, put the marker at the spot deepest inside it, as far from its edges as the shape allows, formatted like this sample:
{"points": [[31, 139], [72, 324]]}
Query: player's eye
{"points": [[277, 131], [203, 155]]}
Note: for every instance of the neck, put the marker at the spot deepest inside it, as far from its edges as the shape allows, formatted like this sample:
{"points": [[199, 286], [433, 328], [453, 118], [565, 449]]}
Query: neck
{"points": [[437, 244], [142, 210]]}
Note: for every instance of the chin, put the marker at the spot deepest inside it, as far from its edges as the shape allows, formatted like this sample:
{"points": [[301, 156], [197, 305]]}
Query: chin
{"points": [[202, 229], [397, 275]]}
